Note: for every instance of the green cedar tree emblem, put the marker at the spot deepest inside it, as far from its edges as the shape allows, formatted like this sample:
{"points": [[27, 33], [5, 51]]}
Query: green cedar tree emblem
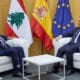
{"points": [[16, 18]]}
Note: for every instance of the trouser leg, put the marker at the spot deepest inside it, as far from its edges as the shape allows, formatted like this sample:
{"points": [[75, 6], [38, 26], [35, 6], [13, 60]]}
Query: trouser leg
{"points": [[60, 53], [21, 55], [69, 61], [12, 52], [69, 55]]}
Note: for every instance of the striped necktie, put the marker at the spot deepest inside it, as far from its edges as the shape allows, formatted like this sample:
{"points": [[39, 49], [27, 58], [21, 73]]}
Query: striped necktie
{"points": [[75, 41], [75, 34]]}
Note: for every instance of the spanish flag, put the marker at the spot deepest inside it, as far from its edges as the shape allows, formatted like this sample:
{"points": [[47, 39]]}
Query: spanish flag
{"points": [[41, 23]]}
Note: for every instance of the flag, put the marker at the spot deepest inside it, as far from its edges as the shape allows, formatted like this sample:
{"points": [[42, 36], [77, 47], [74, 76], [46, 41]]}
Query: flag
{"points": [[17, 24], [41, 23], [63, 21]]}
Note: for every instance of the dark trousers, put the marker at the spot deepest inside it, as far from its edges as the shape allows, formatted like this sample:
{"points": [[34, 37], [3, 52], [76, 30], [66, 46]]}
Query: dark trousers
{"points": [[16, 54], [68, 50]]}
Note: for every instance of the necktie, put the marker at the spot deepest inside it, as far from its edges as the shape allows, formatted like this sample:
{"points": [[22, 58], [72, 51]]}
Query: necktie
{"points": [[77, 37], [74, 36]]}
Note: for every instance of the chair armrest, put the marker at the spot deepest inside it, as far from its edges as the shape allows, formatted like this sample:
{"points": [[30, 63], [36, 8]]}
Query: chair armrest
{"points": [[19, 42], [16, 42], [60, 43]]}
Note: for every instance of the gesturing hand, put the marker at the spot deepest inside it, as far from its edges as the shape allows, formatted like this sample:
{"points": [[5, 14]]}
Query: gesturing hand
{"points": [[58, 37]]}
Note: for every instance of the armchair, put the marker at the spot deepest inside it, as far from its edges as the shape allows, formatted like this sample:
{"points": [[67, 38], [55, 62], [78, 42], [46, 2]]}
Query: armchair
{"points": [[5, 61], [60, 43]]}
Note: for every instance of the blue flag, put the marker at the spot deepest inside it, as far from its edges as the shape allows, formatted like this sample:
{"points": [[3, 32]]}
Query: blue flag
{"points": [[63, 21]]}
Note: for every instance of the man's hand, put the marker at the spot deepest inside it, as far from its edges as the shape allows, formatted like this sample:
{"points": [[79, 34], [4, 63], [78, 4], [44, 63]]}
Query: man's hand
{"points": [[58, 37]]}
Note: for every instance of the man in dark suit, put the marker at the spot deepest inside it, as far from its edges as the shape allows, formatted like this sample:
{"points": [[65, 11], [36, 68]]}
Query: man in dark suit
{"points": [[68, 49], [16, 54]]}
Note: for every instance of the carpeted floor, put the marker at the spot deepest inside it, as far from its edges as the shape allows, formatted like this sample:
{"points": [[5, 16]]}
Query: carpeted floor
{"points": [[33, 69]]}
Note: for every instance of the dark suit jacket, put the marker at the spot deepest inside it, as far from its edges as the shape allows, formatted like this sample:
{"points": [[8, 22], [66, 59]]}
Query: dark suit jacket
{"points": [[4, 37], [71, 34], [2, 48]]}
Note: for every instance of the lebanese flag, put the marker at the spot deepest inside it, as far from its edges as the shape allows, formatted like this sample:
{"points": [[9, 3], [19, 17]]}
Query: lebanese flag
{"points": [[17, 22], [41, 23]]}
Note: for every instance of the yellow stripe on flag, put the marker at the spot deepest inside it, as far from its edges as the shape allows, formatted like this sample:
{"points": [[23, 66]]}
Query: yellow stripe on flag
{"points": [[42, 15]]}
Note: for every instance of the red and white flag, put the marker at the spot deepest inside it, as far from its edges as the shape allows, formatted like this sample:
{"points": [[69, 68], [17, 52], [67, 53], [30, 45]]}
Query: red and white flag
{"points": [[17, 22]]}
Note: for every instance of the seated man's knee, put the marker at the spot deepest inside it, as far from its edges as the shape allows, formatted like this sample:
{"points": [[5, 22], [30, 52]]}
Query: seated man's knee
{"points": [[20, 52]]}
